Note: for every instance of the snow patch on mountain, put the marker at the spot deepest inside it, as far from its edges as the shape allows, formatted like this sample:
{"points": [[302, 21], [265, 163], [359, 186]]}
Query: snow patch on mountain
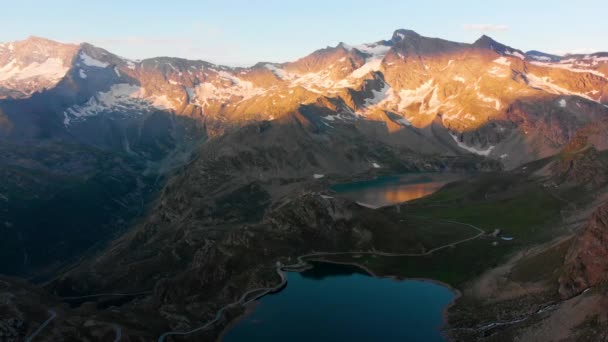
{"points": [[570, 67], [280, 73], [410, 96], [52, 69], [130, 65], [515, 53], [377, 53], [319, 82], [595, 59], [377, 96], [372, 64], [489, 99], [541, 58], [340, 117], [448, 65], [485, 152], [376, 50], [545, 83], [208, 91], [502, 61], [498, 72], [322, 81], [122, 98], [469, 117], [90, 61]]}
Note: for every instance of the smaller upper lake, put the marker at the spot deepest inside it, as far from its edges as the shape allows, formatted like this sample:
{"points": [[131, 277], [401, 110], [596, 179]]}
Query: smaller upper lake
{"points": [[342, 303], [390, 190]]}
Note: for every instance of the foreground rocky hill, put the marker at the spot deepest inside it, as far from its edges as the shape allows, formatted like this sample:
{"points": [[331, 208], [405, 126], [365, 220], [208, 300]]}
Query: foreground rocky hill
{"points": [[585, 265]]}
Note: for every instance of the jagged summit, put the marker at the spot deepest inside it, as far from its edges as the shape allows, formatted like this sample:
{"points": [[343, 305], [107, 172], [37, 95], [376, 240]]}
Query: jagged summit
{"points": [[402, 34], [410, 42], [486, 42], [344, 46]]}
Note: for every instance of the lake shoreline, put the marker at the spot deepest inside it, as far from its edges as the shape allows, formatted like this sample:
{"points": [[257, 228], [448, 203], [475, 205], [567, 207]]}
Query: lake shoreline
{"points": [[249, 310], [250, 307], [304, 263]]}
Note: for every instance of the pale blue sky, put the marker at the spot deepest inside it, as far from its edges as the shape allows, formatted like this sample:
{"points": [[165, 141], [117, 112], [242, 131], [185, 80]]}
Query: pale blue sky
{"points": [[241, 32]]}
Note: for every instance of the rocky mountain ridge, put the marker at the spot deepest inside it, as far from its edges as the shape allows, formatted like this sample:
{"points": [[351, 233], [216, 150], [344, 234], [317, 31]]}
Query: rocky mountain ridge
{"points": [[585, 265], [493, 100]]}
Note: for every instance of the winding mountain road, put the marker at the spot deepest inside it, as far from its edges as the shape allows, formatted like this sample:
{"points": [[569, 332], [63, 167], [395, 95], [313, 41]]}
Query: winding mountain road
{"points": [[44, 324], [302, 263], [106, 295], [241, 301], [117, 332]]}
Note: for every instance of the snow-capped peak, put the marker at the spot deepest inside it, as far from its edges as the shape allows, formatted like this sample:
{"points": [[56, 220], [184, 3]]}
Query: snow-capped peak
{"points": [[32, 65]]}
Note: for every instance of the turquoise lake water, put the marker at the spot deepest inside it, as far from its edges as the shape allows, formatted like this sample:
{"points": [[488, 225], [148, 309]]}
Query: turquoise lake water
{"points": [[341, 303]]}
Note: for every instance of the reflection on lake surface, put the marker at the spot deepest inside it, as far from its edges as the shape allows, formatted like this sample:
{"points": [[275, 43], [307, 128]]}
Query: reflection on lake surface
{"points": [[402, 194], [395, 189], [341, 303]]}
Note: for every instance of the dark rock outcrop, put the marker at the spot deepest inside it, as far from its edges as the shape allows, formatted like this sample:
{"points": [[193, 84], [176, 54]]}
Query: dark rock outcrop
{"points": [[586, 262]]}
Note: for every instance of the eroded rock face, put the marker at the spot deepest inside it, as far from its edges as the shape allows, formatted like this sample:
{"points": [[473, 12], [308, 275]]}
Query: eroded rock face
{"points": [[581, 162], [586, 167], [586, 263]]}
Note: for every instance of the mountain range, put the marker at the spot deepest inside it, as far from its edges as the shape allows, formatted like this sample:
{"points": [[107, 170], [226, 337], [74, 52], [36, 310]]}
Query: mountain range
{"points": [[163, 176], [430, 94]]}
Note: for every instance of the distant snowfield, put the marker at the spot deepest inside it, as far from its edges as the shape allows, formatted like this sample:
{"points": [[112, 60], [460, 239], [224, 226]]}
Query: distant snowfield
{"points": [[407, 97], [321, 81], [52, 69], [571, 66], [120, 98], [545, 83], [239, 88], [377, 95]]}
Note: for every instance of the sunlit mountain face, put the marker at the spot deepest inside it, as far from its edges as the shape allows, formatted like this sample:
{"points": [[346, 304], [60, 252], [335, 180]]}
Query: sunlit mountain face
{"points": [[428, 94]]}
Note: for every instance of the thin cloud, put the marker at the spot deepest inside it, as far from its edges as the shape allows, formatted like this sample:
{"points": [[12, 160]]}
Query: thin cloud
{"points": [[485, 27]]}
